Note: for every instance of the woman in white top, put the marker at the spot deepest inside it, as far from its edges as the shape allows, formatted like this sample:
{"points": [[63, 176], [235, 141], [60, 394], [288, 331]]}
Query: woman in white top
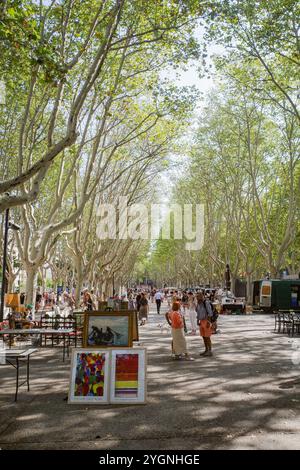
{"points": [[192, 313]]}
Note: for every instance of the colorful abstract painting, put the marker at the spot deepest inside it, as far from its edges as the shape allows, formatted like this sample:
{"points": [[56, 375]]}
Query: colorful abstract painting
{"points": [[127, 374], [89, 376], [89, 379]]}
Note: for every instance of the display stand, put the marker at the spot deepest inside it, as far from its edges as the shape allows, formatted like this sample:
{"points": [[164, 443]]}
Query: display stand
{"points": [[103, 374]]}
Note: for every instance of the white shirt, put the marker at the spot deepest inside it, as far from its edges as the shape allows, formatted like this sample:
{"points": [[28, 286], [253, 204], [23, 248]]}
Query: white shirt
{"points": [[158, 296]]}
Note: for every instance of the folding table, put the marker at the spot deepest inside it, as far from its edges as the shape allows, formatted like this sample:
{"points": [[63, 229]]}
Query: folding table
{"points": [[8, 356]]}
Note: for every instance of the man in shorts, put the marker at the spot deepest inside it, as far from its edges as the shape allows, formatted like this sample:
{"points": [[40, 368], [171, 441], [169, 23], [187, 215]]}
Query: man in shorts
{"points": [[204, 316]]}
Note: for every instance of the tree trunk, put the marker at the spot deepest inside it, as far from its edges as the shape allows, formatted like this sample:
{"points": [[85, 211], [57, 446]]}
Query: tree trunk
{"points": [[109, 288], [274, 273], [79, 278], [30, 286], [103, 289], [249, 289], [43, 278], [11, 280]]}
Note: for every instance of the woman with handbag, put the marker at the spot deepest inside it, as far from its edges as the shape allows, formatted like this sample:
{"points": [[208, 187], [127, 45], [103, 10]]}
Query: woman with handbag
{"points": [[204, 319]]}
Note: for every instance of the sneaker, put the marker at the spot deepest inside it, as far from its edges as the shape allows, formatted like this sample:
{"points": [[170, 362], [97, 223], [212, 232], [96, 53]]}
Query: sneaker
{"points": [[204, 353], [209, 354]]}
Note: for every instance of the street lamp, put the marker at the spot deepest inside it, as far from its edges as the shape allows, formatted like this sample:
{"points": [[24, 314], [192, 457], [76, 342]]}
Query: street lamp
{"points": [[113, 283], [12, 226], [227, 277]]}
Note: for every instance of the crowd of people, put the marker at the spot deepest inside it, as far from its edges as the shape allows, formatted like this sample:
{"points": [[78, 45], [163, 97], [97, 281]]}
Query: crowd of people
{"points": [[181, 304], [49, 299], [199, 306]]}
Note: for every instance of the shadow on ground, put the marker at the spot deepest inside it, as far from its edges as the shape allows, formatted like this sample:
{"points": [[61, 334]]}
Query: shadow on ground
{"points": [[245, 397]]}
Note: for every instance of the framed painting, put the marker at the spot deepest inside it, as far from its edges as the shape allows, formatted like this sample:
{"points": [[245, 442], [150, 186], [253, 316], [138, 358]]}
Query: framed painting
{"points": [[90, 376], [135, 325], [123, 305], [102, 305], [108, 329], [128, 376]]}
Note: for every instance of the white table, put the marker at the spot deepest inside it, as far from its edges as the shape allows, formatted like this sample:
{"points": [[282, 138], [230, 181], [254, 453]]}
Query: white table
{"points": [[7, 356], [65, 333]]}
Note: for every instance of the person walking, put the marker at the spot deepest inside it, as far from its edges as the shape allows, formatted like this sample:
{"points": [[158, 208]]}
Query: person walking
{"points": [[130, 300], [192, 313], [158, 299], [169, 298], [138, 301], [94, 300], [204, 317], [184, 301], [144, 308], [181, 300], [175, 320], [87, 301]]}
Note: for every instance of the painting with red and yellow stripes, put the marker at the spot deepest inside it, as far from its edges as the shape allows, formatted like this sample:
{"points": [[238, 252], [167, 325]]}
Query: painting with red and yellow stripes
{"points": [[127, 375]]}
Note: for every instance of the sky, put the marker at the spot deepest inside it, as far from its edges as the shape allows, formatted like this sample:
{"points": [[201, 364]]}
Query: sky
{"points": [[191, 76], [204, 85]]}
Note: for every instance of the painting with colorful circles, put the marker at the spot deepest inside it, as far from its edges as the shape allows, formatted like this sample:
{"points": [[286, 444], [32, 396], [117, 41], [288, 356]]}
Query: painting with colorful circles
{"points": [[89, 376]]}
